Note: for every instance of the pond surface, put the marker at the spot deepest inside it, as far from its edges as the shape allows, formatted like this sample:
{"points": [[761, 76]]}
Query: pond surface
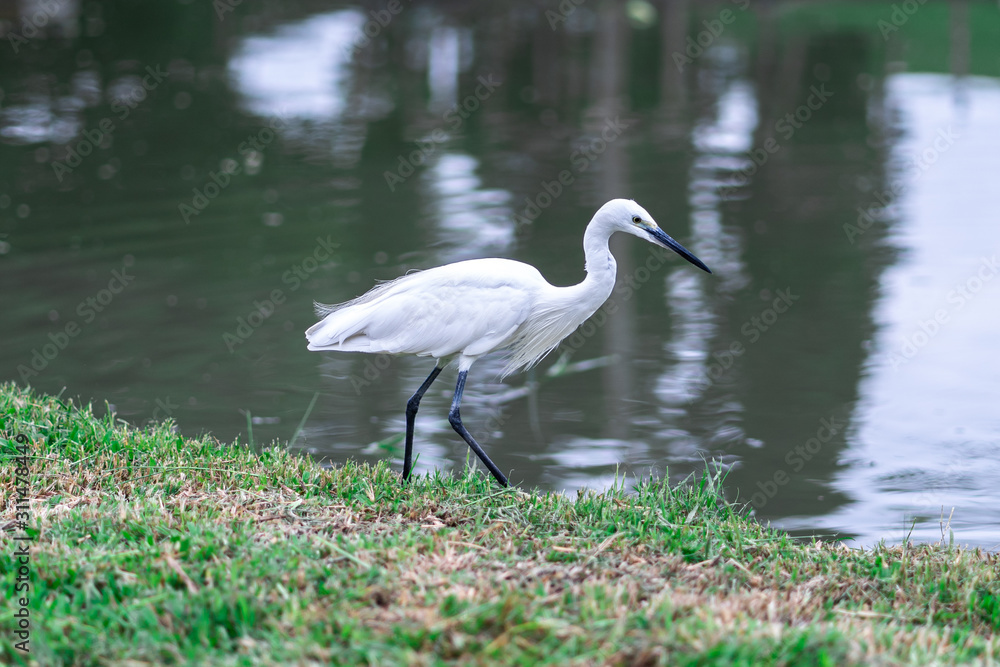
{"points": [[178, 187]]}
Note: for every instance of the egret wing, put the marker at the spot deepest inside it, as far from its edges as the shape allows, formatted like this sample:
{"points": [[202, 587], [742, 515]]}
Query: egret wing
{"points": [[468, 307]]}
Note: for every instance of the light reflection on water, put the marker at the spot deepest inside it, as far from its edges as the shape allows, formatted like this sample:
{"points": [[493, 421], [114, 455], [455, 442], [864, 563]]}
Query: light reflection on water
{"points": [[469, 220], [926, 439], [300, 70]]}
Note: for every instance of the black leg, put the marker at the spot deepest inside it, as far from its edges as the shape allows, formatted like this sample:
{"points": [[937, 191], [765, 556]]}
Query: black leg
{"points": [[411, 415], [456, 423]]}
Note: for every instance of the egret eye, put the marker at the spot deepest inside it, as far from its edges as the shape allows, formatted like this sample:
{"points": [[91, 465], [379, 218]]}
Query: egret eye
{"points": [[636, 219]]}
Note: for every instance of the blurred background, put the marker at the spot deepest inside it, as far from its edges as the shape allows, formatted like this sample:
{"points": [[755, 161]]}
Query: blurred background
{"points": [[179, 181]]}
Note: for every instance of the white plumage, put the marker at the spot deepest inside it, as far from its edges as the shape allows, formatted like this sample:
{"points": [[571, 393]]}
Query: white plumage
{"points": [[468, 309]]}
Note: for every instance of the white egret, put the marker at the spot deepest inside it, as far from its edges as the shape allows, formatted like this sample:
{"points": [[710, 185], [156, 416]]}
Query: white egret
{"points": [[468, 309]]}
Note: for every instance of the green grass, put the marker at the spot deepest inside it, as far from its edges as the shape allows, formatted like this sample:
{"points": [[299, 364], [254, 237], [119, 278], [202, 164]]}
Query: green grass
{"points": [[153, 548]]}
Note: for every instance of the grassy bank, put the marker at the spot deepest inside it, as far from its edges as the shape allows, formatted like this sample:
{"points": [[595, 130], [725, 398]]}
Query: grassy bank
{"points": [[152, 548]]}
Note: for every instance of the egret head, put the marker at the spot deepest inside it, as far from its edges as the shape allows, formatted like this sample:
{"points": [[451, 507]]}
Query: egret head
{"points": [[627, 216]]}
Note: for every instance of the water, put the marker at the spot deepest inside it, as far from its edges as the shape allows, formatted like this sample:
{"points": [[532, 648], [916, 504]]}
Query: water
{"points": [[840, 363]]}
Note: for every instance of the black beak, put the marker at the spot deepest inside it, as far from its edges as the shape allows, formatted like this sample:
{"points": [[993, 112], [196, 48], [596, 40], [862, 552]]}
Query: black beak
{"points": [[664, 239]]}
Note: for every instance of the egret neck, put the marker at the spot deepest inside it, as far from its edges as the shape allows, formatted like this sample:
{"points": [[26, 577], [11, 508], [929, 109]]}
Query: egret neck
{"points": [[601, 268]]}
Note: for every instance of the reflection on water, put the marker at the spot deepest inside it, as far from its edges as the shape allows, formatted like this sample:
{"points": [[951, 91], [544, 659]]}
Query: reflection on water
{"points": [[838, 364], [299, 70], [925, 438], [469, 220]]}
